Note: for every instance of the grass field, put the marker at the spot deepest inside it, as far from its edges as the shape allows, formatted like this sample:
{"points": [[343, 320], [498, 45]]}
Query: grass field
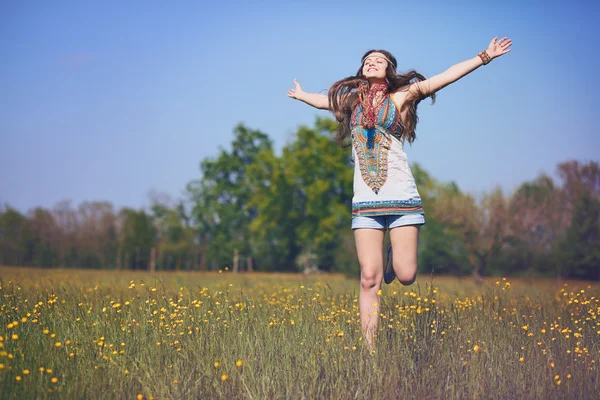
{"points": [[94, 334]]}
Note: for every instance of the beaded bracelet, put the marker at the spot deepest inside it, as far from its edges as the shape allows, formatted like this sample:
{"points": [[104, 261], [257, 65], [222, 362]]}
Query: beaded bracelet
{"points": [[485, 57]]}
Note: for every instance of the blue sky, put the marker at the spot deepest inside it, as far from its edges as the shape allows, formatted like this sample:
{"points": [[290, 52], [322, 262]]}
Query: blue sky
{"points": [[107, 100]]}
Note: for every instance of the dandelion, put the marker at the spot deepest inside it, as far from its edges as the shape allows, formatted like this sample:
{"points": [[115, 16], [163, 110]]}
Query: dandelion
{"points": [[139, 396], [224, 377], [216, 364], [522, 359], [57, 344], [54, 379], [25, 372], [15, 336], [18, 378], [238, 363], [476, 348]]}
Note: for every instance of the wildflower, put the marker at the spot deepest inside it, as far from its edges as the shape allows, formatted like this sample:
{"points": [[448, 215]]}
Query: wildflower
{"points": [[54, 379], [569, 376], [224, 377], [238, 363], [216, 364], [15, 337], [57, 344], [25, 372], [18, 378], [476, 348], [522, 359], [139, 396]]}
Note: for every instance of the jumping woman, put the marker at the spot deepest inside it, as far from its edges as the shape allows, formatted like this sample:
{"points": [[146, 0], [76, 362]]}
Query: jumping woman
{"points": [[377, 112]]}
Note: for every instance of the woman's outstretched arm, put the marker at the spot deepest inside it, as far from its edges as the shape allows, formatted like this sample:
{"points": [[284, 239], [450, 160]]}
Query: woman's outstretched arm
{"points": [[430, 86], [320, 101]]}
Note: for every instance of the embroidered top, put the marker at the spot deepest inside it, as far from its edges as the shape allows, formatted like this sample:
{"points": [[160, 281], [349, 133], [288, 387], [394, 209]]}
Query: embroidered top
{"points": [[383, 180]]}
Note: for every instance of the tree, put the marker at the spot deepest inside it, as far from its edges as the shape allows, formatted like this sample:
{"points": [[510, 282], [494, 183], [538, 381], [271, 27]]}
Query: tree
{"points": [[221, 196]]}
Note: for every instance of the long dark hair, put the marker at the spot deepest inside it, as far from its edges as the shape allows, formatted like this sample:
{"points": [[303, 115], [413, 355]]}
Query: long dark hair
{"points": [[344, 96]]}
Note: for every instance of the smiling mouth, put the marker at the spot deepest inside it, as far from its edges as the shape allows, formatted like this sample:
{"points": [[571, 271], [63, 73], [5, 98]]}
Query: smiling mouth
{"points": [[372, 69]]}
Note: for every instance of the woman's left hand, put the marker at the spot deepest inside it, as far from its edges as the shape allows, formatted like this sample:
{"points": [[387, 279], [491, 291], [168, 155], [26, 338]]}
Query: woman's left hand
{"points": [[498, 48]]}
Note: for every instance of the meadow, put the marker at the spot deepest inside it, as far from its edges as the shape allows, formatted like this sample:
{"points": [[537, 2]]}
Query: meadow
{"points": [[134, 335]]}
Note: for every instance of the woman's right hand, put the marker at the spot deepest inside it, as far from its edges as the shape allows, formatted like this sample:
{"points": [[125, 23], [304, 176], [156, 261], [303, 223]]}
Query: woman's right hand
{"points": [[297, 92]]}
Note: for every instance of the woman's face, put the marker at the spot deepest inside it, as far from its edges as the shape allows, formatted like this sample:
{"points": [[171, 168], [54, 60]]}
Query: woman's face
{"points": [[374, 66]]}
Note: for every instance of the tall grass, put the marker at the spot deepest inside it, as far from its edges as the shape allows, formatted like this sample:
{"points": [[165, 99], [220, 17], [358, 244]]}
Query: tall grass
{"points": [[93, 334]]}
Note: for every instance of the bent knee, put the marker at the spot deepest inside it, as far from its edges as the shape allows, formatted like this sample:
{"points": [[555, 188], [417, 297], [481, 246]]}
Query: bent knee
{"points": [[406, 272], [408, 280]]}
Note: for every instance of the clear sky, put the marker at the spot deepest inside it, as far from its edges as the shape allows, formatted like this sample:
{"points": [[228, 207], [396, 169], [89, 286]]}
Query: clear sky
{"points": [[107, 100]]}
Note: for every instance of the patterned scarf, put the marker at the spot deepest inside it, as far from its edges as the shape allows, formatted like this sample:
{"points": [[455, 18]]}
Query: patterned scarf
{"points": [[370, 110]]}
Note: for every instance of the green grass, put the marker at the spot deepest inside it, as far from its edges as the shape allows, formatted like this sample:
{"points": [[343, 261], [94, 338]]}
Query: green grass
{"points": [[124, 334]]}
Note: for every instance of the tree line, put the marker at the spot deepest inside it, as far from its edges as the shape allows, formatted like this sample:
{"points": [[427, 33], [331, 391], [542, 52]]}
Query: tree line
{"points": [[253, 209]]}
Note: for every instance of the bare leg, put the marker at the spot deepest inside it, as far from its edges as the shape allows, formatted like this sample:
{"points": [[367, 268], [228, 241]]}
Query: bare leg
{"points": [[405, 241], [369, 247]]}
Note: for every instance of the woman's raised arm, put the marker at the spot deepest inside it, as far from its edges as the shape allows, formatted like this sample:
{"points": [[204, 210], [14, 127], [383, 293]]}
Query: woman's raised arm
{"points": [[320, 101], [430, 86]]}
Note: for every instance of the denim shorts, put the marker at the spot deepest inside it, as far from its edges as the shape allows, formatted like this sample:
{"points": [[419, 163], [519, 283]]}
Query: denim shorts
{"points": [[387, 221]]}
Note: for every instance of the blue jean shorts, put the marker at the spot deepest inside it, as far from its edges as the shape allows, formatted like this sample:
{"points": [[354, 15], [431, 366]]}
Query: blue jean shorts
{"points": [[387, 221]]}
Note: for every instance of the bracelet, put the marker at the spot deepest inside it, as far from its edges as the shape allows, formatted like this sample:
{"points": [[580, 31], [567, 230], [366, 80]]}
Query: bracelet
{"points": [[485, 57]]}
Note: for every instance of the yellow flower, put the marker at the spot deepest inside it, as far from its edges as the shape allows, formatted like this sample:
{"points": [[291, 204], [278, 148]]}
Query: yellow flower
{"points": [[18, 378], [476, 348], [45, 331], [41, 369], [25, 372], [140, 396], [14, 336], [49, 370], [54, 379], [216, 364], [238, 363], [379, 292], [224, 377], [569, 376], [1, 366], [57, 344], [522, 359]]}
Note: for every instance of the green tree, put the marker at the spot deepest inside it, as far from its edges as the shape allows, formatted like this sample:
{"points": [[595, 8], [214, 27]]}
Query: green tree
{"points": [[221, 196], [13, 237]]}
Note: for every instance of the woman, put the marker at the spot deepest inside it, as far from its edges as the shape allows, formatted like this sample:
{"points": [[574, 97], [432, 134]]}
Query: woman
{"points": [[377, 110]]}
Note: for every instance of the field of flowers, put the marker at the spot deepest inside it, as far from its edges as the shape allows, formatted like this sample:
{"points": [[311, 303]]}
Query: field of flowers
{"points": [[133, 335]]}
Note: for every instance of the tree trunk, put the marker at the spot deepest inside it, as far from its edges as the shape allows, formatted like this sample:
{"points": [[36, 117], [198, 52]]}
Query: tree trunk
{"points": [[236, 260], [203, 261], [137, 257], [249, 264], [153, 259], [178, 264], [119, 258]]}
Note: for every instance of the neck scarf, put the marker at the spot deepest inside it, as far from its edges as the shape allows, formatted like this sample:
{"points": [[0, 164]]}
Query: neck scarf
{"points": [[377, 91]]}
